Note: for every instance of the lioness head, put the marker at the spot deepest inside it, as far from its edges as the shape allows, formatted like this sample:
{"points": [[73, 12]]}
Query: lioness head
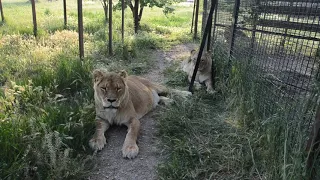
{"points": [[205, 60], [110, 88]]}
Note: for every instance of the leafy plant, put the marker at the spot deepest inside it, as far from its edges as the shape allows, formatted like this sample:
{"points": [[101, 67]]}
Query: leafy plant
{"points": [[137, 7]]}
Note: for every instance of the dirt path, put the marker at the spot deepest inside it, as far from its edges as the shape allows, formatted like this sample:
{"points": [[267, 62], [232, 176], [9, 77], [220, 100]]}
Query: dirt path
{"points": [[110, 163]]}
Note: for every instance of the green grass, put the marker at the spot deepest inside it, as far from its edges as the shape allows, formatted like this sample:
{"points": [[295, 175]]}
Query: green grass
{"points": [[200, 139], [46, 108], [200, 144], [46, 96]]}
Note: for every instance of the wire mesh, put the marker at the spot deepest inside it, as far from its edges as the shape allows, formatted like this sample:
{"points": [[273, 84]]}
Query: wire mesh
{"points": [[280, 37], [277, 44]]}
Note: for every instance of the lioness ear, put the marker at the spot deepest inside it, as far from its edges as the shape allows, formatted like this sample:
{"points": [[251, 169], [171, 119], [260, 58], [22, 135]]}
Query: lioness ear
{"points": [[97, 75], [123, 74], [192, 51]]}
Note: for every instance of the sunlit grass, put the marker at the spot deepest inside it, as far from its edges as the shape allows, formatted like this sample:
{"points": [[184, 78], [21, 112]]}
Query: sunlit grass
{"points": [[46, 95]]}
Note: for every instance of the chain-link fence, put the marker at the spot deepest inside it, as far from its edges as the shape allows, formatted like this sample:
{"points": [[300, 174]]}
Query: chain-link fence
{"points": [[267, 53]]}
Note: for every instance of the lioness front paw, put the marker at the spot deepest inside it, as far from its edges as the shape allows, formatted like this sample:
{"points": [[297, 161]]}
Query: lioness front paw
{"points": [[166, 101], [97, 143], [197, 86], [130, 151]]}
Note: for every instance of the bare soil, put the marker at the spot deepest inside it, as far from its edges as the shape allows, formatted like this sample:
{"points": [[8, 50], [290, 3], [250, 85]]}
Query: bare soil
{"points": [[110, 164]]}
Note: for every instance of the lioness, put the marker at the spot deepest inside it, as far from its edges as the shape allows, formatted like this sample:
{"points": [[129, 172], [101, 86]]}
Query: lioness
{"points": [[204, 71], [122, 99]]}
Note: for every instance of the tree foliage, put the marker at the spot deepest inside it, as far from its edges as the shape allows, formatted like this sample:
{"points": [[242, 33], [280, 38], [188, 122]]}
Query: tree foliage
{"points": [[137, 7]]}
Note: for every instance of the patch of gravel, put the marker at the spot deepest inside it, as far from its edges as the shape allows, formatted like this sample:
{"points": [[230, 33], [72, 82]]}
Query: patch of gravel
{"points": [[110, 164]]}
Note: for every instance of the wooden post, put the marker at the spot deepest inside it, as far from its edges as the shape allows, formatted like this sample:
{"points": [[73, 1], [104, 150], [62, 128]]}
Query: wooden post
{"points": [[1, 10], [196, 20], [34, 16], [110, 27], [194, 6], [80, 30], [65, 13], [122, 22]]}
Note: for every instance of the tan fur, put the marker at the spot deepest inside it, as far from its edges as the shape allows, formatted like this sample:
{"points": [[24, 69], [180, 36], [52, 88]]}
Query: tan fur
{"points": [[122, 99], [204, 71]]}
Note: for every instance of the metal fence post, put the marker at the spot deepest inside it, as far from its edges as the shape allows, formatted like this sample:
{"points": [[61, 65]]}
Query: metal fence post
{"points": [[234, 26], [65, 13], [1, 10], [34, 17], [194, 6], [215, 21], [110, 27], [122, 21], [80, 29], [204, 15], [196, 20]]}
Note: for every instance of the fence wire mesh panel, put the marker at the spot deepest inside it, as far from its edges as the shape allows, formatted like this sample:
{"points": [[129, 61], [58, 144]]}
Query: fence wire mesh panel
{"points": [[267, 52]]}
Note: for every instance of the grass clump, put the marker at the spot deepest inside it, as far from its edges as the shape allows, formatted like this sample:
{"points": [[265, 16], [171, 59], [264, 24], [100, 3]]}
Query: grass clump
{"points": [[175, 77], [46, 108], [199, 139], [200, 144], [43, 133]]}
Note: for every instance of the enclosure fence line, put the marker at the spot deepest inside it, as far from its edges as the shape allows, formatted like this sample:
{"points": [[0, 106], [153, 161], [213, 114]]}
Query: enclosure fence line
{"points": [[281, 39], [80, 22]]}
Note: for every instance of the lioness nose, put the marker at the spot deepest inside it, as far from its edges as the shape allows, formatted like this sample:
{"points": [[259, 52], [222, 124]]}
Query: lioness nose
{"points": [[111, 100]]}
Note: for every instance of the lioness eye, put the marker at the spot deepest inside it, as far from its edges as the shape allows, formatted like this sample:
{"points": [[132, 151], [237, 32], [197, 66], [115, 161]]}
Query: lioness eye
{"points": [[103, 89], [118, 89]]}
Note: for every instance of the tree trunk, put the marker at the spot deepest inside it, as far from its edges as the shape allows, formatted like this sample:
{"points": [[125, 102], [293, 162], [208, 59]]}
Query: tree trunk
{"points": [[105, 9], [1, 10], [136, 16], [140, 13]]}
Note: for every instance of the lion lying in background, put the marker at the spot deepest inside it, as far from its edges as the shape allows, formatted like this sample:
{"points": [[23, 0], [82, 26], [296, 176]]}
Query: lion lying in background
{"points": [[204, 74], [122, 99]]}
